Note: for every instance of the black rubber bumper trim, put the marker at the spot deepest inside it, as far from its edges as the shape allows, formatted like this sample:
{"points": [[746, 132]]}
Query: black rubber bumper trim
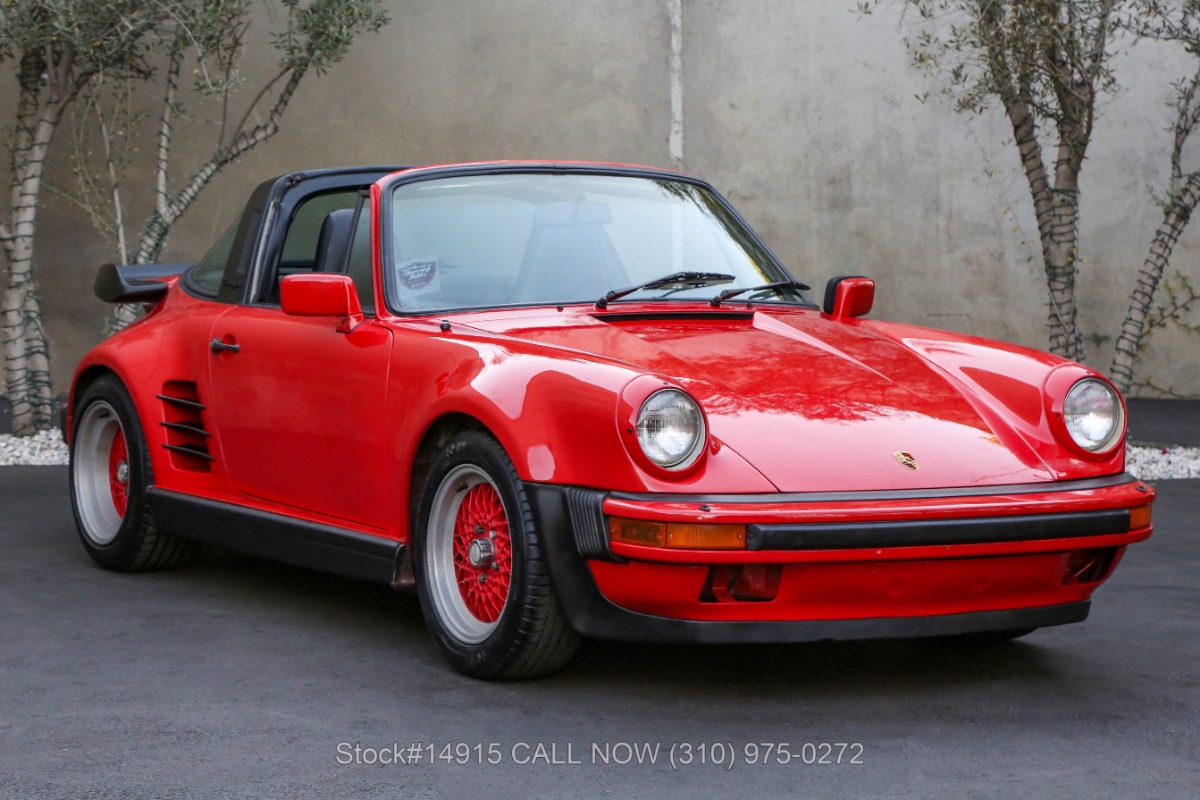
{"points": [[1005, 490], [591, 614], [292, 541], [585, 509], [915, 533]]}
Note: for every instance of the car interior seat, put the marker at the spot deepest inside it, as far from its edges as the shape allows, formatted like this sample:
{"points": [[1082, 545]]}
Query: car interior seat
{"points": [[333, 243], [569, 255]]}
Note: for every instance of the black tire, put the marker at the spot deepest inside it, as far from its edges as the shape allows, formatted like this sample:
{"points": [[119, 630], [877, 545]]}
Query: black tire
{"points": [[122, 539], [473, 492]]}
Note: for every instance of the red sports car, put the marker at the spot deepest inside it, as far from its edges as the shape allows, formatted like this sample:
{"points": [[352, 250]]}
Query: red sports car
{"points": [[566, 400]]}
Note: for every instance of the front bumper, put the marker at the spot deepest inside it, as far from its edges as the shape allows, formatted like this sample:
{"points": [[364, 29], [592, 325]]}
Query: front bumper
{"points": [[847, 565]]}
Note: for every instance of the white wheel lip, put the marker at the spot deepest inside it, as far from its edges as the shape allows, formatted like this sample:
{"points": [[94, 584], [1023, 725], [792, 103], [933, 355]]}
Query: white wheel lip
{"points": [[98, 517], [447, 600]]}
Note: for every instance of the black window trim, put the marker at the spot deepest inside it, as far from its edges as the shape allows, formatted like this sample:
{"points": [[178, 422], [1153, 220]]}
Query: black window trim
{"points": [[244, 268]]}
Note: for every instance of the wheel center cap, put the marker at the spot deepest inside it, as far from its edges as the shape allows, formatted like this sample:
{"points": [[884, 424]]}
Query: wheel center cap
{"points": [[123, 473], [481, 553]]}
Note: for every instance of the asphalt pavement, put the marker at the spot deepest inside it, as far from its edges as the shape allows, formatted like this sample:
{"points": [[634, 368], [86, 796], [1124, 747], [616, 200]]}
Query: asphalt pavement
{"points": [[1164, 422], [241, 678]]}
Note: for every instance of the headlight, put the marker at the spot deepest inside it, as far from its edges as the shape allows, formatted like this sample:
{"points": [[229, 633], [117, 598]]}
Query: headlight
{"points": [[670, 429], [1093, 415]]}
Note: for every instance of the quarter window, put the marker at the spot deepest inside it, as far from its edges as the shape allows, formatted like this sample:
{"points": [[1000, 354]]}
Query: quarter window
{"points": [[205, 277]]}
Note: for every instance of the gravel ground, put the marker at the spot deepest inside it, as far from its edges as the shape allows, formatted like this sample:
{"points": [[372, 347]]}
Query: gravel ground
{"points": [[1147, 463], [46, 448], [1158, 463]]}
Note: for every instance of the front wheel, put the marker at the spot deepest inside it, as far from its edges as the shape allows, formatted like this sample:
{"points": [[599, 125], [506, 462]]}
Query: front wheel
{"points": [[110, 473], [483, 583]]}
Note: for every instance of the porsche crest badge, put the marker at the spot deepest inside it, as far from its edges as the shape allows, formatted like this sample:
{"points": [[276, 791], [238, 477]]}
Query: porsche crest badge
{"points": [[906, 459]]}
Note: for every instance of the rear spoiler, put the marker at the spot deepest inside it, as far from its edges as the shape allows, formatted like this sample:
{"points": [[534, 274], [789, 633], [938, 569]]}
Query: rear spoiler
{"points": [[134, 283]]}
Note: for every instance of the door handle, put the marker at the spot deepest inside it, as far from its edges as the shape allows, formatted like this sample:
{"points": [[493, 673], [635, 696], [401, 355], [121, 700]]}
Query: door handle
{"points": [[217, 346]]}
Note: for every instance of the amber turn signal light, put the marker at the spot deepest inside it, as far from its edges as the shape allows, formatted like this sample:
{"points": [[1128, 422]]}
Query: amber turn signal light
{"points": [[1139, 517], [682, 535], [637, 531]]}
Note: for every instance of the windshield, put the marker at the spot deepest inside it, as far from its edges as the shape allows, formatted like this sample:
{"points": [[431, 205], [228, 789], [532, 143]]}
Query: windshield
{"points": [[518, 239]]}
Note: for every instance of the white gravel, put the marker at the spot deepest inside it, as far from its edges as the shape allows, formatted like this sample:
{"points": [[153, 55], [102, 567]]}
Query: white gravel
{"points": [[43, 448], [1148, 463], [1159, 463]]}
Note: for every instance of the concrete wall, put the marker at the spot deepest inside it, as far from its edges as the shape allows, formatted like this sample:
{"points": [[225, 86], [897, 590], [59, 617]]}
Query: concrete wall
{"points": [[802, 114]]}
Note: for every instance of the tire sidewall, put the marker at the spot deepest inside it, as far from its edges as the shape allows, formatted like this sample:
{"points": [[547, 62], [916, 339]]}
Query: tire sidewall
{"points": [[488, 657], [122, 548]]}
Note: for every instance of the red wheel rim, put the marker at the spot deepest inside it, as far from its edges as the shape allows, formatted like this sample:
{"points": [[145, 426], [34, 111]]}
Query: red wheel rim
{"points": [[484, 586], [118, 471]]}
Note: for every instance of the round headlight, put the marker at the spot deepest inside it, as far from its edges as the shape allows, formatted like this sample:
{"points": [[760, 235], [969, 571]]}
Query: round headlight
{"points": [[670, 429], [1092, 413]]}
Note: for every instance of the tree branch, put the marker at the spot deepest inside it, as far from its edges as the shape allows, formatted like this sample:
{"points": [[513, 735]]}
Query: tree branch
{"points": [[1186, 120], [241, 126], [155, 234], [163, 150], [115, 182]]}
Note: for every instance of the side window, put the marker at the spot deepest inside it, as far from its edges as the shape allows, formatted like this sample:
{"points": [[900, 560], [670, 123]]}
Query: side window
{"points": [[308, 244], [358, 267], [300, 246], [205, 277]]}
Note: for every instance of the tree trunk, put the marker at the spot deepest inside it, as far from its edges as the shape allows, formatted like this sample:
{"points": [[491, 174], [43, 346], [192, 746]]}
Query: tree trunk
{"points": [[1057, 212], [26, 353], [15, 361], [1133, 329], [37, 350], [1059, 231], [26, 350]]}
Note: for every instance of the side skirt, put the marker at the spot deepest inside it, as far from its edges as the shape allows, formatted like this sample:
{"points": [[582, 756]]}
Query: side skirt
{"points": [[292, 541]]}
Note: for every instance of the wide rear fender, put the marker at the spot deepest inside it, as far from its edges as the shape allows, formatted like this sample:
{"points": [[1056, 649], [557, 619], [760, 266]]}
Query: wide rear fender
{"points": [[144, 357]]}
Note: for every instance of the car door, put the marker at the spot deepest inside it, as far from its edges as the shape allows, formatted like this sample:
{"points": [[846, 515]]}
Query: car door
{"points": [[298, 406]]}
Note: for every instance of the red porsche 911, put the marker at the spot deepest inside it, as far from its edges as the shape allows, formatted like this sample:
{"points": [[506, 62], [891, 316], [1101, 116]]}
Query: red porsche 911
{"points": [[565, 400]]}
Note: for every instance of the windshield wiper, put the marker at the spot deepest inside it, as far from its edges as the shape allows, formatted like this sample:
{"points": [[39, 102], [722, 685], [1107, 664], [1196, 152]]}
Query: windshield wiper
{"points": [[679, 280], [776, 287]]}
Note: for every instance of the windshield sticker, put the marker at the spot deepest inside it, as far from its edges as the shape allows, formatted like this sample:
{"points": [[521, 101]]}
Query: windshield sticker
{"points": [[417, 276]]}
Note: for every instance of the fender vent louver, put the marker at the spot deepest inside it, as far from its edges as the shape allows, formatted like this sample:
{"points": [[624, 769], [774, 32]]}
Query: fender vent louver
{"points": [[187, 437]]}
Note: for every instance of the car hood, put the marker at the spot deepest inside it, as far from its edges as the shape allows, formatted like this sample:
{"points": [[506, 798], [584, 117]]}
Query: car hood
{"points": [[819, 405]]}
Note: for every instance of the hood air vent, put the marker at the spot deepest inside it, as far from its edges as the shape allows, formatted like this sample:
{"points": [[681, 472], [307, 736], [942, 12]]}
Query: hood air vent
{"points": [[673, 316]]}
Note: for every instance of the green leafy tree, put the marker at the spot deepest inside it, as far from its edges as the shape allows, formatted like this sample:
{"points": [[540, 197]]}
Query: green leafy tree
{"points": [[1046, 64], [208, 41], [56, 47], [96, 56], [1175, 23]]}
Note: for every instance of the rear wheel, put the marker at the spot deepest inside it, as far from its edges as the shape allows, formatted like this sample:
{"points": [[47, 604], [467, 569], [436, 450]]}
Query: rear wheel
{"points": [[484, 586], [110, 473]]}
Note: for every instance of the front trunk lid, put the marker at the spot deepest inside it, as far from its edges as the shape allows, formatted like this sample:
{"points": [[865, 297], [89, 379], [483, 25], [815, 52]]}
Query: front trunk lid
{"points": [[814, 405]]}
